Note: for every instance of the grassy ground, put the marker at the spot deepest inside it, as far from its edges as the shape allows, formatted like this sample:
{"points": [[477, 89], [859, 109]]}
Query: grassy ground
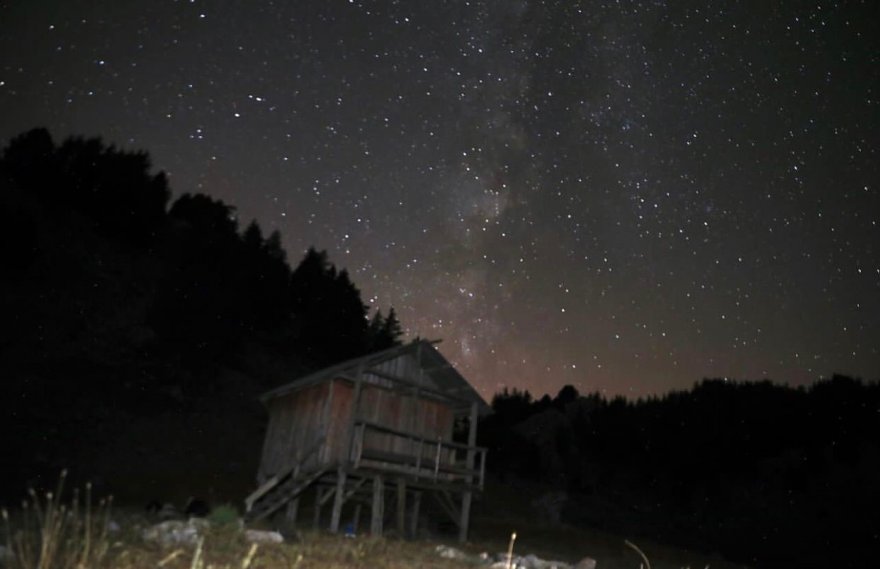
{"points": [[72, 534], [506, 507], [227, 549]]}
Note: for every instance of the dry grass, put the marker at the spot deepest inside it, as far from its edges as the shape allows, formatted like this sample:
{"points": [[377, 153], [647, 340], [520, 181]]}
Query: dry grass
{"points": [[227, 550], [51, 534], [55, 535]]}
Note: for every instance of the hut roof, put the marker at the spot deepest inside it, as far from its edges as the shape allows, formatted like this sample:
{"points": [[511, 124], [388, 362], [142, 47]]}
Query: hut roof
{"points": [[442, 377]]}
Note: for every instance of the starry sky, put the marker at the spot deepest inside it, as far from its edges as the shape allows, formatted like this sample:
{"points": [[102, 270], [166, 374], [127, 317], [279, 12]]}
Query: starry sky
{"points": [[622, 196]]}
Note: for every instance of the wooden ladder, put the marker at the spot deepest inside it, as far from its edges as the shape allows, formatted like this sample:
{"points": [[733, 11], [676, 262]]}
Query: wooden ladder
{"points": [[278, 491]]}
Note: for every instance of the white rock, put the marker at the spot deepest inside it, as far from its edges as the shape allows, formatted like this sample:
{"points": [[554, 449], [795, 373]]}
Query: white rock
{"points": [[175, 532], [450, 552], [168, 512], [586, 563], [529, 561], [534, 562], [261, 536], [553, 564], [516, 562]]}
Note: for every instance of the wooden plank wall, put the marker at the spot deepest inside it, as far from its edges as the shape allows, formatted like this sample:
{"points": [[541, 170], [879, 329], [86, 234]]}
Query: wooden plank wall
{"points": [[297, 419], [338, 435], [295, 423], [422, 417]]}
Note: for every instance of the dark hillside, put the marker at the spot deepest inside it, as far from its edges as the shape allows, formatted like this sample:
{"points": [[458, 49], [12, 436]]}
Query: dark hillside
{"points": [[136, 336], [766, 474]]}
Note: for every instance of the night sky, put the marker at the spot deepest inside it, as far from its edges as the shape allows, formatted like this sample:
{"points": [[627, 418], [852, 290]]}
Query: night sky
{"points": [[624, 196]]}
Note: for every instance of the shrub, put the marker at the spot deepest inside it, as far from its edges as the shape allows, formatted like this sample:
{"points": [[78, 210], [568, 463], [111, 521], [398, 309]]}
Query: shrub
{"points": [[223, 515]]}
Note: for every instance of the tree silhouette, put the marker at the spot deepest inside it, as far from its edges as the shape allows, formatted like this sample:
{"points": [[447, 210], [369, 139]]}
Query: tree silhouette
{"points": [[29, 160], [111, 187], [723, 464], [384, 332], [329, 316], [266, 277], [120, 315], [566, 395]]}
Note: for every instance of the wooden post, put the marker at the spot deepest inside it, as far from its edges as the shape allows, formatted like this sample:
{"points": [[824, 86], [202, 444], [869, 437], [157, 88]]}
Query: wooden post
{"points": [[378, 510], [293, 505], [401, 508], [292, 510], [338, 500], [472, 436], [467, 495], [356, 520], [322, 454], [414, 521], [355, 411], [317, 513], [465, 516]]}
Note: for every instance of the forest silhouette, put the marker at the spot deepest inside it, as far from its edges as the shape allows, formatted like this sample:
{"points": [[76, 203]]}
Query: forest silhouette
{"points": [[137, 333], [770, 475], [122, 314]]}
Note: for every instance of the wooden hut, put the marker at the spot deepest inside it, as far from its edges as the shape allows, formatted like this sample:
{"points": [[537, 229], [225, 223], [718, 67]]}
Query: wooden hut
{"points": [[372, 430]]}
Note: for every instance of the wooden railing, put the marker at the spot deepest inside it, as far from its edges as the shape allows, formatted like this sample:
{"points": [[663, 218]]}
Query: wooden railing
{"points": [[423, 458]]}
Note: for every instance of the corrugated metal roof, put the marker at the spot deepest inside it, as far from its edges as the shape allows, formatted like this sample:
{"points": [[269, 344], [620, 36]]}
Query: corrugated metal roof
{"points": [[419, 362]]}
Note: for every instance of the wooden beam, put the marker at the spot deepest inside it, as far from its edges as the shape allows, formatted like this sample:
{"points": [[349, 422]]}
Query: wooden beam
{"points": [[422, 483], [355, 488], [463, 527], [401, 507], [378, 510], [338, 501], [355, 411], [472, 435], [256, 494], [356, 519], [328, 493], [292, 510], [326, 420], [408, 383], [467, 495], [414, 521], [316, 521], [448, 506]]}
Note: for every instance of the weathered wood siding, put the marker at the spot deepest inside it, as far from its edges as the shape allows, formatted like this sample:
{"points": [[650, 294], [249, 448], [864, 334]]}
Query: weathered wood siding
{"points": [[296, 421], [422, 417], [338, 434]]}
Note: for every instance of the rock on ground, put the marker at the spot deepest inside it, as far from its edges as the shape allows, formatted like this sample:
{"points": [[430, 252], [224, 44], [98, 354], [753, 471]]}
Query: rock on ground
{"points": [[175, 532], [261, 536]]}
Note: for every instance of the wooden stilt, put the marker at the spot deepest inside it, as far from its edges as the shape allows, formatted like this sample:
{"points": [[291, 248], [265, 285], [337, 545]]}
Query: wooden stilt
{"points": [[465, 516], [401, 507], [356, 520], [414, 521], [467, 495], [292, 510], [339, 499], [318, 502], [378, 510]]}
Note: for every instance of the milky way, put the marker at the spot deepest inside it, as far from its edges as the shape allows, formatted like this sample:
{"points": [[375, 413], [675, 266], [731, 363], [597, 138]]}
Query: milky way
{"points": [[623, 196]]}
